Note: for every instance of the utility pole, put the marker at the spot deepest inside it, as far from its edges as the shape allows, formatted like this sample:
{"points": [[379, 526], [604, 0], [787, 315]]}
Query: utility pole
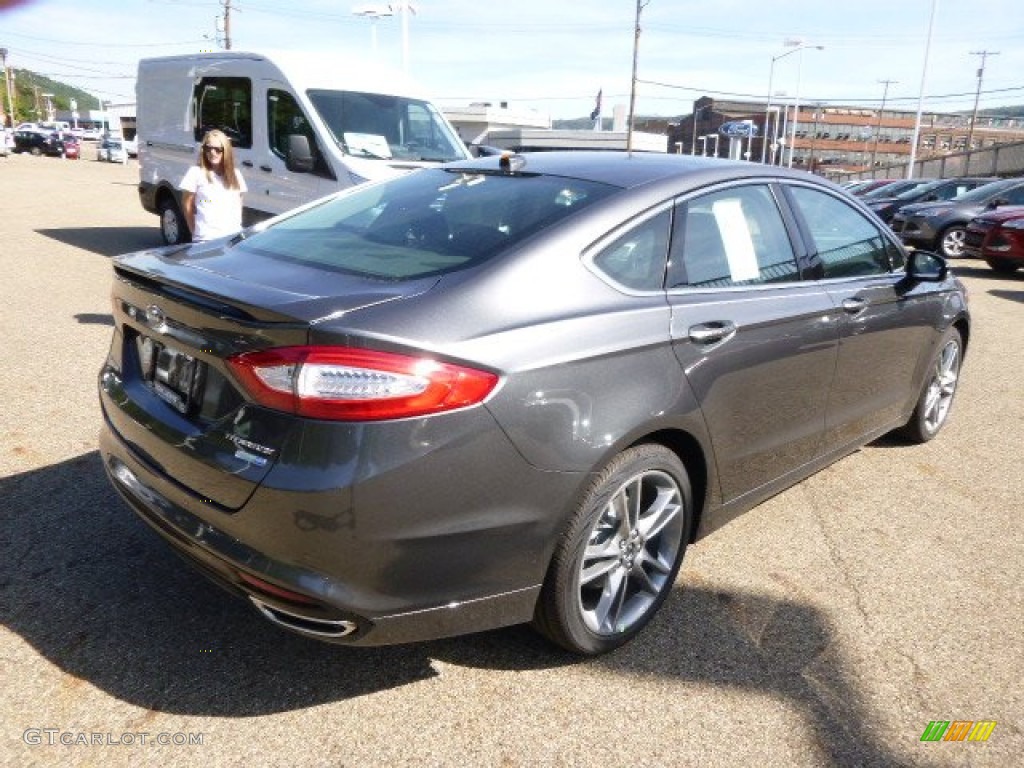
{"points": [[977, 95], [227, 25], [632, 85], [878, 125], [7, 88]]}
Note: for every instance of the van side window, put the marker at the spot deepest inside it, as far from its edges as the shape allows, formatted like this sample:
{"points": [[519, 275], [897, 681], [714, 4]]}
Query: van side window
{"points": [[733, 237], [224, 103], [845, 240], [286, 118]]}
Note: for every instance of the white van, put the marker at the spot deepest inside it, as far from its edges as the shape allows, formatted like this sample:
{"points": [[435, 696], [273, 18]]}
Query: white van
{"points": [[302, 126]]}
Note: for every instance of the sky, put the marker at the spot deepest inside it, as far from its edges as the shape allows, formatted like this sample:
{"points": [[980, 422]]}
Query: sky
{"points": [[553, 57]]}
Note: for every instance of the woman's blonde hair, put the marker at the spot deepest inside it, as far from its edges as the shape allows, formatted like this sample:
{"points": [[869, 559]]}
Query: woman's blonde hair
{"points": [[227, 158]]}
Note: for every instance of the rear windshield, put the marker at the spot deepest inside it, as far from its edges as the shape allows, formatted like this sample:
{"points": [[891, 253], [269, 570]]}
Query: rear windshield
{"points": [[983, 193], [428, 222]]}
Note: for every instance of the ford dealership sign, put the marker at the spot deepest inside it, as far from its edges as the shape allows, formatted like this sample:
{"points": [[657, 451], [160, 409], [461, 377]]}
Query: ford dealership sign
{"points": [[738, 129]]}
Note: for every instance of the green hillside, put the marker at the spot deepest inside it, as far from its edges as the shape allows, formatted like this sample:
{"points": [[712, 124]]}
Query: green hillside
{"points": [[28, 84]]}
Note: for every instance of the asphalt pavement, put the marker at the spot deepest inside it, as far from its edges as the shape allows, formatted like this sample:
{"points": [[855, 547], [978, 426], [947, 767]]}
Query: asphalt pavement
{"points": [[829, 626]]}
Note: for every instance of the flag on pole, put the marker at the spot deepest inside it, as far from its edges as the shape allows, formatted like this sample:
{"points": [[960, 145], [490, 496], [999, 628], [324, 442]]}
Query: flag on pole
{"points": [[597, 107]]}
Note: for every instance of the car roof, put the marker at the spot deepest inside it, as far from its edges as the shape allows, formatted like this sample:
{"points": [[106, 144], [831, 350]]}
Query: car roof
{"points": [[629, 169]]}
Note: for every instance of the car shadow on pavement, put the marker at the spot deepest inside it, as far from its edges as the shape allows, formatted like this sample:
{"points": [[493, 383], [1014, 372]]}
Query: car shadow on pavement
{"points": [[100, 596], [107, 241]]}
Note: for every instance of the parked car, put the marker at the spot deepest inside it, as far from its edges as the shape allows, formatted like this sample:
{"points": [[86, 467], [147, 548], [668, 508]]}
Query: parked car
{"points": [[998, 238], [894, 188], [511, 389], [869, 186], [111, 150], [35, 142], [940, 226], [885, 206], [68, 146]]}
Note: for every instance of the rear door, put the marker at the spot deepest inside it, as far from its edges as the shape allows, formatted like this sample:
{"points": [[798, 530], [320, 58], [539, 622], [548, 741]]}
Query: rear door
{"points": [[757, 343], [885, 326]]}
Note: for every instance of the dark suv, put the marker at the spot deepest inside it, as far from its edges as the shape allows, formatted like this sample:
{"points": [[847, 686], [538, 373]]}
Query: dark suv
{"points": [[885, 206], [940, 227], [35, 143]]}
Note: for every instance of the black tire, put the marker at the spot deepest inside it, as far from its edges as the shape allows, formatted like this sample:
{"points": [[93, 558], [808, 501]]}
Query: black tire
{"points": [[35, 151], [1002, 267], [951, 241], [619, 556], [936, 398], [173, 226]]}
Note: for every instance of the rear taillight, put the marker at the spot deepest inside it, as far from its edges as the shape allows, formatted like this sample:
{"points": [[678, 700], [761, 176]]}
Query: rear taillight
{"points": [[357, 384]]}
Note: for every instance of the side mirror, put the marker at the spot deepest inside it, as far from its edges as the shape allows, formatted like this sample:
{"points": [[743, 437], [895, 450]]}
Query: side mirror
{"points": [[300, 156], [925, 267], [931, 198], [992, 204]]}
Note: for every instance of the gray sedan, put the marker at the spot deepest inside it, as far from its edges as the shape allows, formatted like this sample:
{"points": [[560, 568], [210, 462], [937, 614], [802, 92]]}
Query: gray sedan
{"points": [[511, 389]]}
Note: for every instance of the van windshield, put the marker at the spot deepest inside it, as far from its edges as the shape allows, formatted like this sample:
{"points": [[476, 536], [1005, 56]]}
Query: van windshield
{"points": [[383, 127]]}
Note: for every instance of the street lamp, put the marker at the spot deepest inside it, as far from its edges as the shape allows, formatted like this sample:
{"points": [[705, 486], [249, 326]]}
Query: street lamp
{"points": [[878, 127], [373, 12], [796, 99], [715, 137], [796, 45]]}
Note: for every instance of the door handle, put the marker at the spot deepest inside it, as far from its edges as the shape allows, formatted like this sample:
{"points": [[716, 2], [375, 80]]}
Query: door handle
{"points": [[711, 333], [266, 168], [854, 305], [247, 163]]}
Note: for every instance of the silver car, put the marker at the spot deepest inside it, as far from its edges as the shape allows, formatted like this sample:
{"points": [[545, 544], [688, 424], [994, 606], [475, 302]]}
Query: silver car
{"points": [[512, 389]]}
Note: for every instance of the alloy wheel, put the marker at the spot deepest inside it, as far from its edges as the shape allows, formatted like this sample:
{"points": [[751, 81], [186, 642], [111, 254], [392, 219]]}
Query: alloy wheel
{"points": [[942, 386], [631, 553]]}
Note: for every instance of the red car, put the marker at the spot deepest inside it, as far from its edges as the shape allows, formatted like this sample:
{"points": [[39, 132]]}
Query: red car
{"points": [[70, 146], [998, 238]]}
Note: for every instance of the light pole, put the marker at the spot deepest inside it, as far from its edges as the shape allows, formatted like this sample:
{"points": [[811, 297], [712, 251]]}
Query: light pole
{"points": [[797, 46], [774, 111], [920, 95], [796, 99], [373, 12], [771, 76], [977, 95], [878, 127]]}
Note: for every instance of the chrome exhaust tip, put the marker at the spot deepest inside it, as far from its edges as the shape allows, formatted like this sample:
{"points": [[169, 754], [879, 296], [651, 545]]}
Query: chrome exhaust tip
{"points": [[306, 625]]}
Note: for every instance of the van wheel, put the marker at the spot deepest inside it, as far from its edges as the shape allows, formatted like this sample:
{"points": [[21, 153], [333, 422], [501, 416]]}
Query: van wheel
{"points": [[173, 226], [618, 559], [936, 398]]}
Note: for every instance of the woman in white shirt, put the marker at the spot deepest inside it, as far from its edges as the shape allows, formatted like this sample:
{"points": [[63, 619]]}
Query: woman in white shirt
{"points": [[213, 190]]}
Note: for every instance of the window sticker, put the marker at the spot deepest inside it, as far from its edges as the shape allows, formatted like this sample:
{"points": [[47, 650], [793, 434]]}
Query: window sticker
{"points": [[739, 247], [370, 144]]}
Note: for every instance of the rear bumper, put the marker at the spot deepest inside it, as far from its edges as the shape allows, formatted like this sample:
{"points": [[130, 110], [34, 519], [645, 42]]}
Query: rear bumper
{"points": [[409, 564]]}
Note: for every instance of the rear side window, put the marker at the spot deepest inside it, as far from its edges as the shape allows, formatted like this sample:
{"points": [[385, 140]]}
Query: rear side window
{"points": [[429, 222], [637, 259], [224, 103], [847, 243], [732, 237]]}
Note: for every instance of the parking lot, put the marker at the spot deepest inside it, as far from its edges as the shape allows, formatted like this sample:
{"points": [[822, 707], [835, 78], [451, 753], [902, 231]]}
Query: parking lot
{"points": [[829, 626]]}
